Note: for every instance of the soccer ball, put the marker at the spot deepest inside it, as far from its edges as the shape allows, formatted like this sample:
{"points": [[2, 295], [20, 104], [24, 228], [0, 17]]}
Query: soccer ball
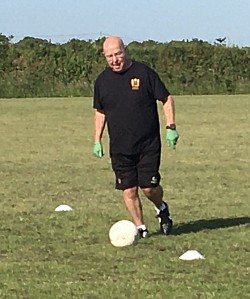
{"points": [[123, 233]]}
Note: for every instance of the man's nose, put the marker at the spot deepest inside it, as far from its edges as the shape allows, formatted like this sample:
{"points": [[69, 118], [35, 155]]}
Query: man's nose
{"points": [[114, 58]]}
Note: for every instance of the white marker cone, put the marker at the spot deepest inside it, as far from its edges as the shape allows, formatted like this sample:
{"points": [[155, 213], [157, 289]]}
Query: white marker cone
{"points": [[63, 208], [191, 255]]}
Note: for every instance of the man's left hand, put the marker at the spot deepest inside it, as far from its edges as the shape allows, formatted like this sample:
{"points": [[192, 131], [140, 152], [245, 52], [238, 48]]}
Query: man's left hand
{"points": [[172, 137]]}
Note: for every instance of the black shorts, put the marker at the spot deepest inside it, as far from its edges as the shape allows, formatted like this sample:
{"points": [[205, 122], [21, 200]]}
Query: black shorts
{"points": [[140, 170]]}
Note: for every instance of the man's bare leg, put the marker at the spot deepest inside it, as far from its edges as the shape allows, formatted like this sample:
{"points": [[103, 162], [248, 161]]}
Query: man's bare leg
{"points": [[155, 195], [162, 210], [133, 204]]}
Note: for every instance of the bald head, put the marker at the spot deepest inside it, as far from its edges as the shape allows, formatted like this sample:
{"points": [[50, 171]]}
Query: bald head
{"points": [[111, 42], [115, 53]]}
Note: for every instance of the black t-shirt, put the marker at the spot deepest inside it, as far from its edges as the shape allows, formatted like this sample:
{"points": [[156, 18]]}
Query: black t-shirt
{"points": [[129, 101]]}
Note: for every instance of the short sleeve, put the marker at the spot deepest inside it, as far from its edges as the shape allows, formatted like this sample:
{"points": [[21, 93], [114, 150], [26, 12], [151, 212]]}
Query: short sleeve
{"points": [[97, 97], [159, 90]]}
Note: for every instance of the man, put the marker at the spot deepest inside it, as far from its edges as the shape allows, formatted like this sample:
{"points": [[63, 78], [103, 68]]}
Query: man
{"points": [[125, 97]]}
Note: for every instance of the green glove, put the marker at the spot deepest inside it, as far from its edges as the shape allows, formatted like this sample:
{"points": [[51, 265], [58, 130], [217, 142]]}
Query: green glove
{"points": [[172, 138], [98, 151]]}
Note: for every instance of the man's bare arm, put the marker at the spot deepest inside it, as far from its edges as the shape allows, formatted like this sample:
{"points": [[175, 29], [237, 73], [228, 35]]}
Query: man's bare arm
{"points": [[99, 125], [169, 110]]}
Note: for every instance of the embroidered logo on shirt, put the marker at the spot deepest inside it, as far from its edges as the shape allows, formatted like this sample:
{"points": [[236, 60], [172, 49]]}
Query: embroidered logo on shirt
{"points": [[135, 83]]}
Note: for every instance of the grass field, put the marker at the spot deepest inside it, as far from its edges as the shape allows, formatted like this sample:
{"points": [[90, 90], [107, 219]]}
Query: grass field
{"points": [[46, 160]]}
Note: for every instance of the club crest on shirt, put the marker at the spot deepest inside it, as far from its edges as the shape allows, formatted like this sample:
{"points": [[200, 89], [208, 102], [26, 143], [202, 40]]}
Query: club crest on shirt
{"points": [[135, 83]]}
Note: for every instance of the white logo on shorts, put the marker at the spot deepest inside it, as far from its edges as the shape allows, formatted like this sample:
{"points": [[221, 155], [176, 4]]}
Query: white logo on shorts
{"points": [[154, 180]]}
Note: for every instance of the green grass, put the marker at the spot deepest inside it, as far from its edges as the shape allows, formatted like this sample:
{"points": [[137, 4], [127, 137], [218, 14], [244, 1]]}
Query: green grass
{"points": [[46, 160]]}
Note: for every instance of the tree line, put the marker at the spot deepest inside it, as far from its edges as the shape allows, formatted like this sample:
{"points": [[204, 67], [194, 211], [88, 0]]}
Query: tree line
{"points": [[35, 67]]}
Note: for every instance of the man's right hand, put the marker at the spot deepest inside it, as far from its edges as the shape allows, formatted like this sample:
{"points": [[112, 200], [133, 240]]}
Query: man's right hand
{"points": [[98, 151]]}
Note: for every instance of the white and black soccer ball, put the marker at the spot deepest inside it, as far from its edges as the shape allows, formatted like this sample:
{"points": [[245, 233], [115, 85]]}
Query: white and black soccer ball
{"points": [[123, 233]]}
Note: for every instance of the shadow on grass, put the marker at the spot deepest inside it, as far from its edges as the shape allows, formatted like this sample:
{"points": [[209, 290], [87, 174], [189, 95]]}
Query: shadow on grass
{"points": [[204, 224]]}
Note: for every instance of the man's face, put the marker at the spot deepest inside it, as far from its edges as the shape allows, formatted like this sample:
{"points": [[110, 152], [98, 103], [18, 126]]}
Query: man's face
{"points": [[115, 55]]}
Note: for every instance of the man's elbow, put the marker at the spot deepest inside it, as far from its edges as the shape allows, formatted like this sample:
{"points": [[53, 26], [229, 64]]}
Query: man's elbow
{"points": [[168, 99]]}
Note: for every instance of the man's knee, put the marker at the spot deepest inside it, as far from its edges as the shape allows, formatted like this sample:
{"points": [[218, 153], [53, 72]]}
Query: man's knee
{"points": [[151, 192], [131, 193]]}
